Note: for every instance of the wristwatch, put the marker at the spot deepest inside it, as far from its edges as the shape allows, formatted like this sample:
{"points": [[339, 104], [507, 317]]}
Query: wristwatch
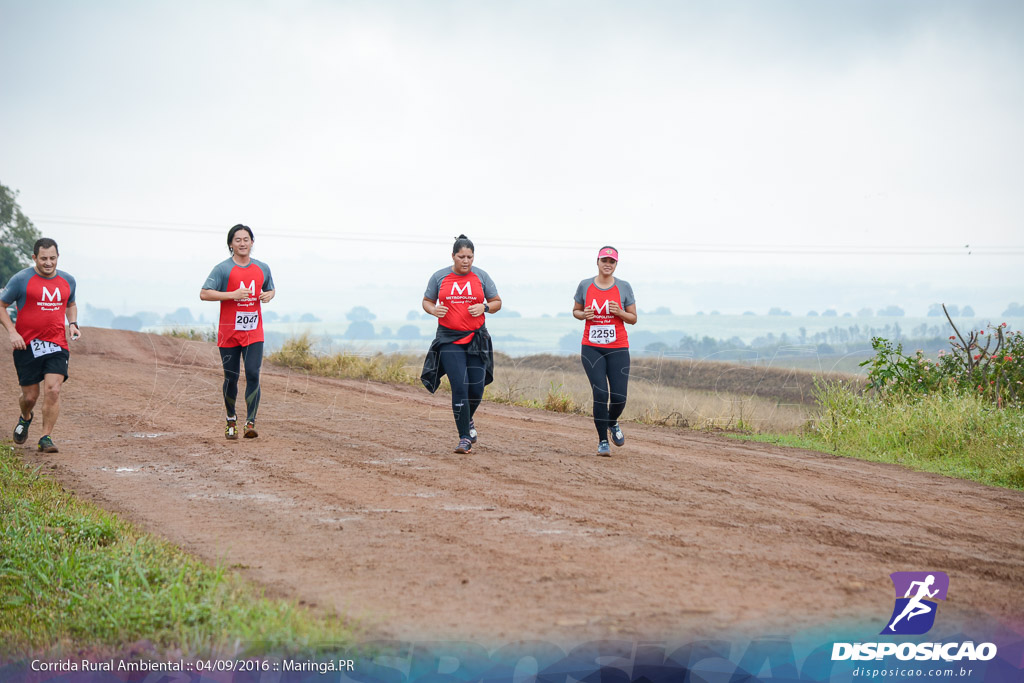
{"points": [[487, 307], [73, 323]]}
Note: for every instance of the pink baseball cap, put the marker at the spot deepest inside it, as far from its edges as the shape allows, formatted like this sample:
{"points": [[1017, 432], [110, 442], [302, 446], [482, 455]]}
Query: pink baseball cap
{"points": [[608, 252]]}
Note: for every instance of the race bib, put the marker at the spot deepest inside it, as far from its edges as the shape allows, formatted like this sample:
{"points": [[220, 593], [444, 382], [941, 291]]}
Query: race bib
{"points": [[247, 321], [43, 348], [602, 334]]}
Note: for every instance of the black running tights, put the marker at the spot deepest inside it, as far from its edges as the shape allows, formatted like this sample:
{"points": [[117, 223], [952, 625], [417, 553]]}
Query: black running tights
{"points": [[232, 358], [608, 372], [466, 374]]}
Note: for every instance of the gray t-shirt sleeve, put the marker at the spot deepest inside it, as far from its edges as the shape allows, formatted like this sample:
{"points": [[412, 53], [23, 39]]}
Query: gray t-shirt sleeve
{"points": [[14, 292], [71, 283], [490, 289], [218, 278], [268, 279], [581, 292], [626, 290], [434, 285]]}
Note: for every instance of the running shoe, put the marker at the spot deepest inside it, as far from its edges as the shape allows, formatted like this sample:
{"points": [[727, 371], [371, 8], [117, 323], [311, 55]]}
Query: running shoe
{"points": [[618, 438], [465, 445], [46, 445], [21, 430], [231, 430], [472, 431], [250, 430], [604, 449]]}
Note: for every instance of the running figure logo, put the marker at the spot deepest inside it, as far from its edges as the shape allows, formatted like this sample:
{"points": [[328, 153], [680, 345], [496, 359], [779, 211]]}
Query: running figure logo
{"points": [[914, 613]]}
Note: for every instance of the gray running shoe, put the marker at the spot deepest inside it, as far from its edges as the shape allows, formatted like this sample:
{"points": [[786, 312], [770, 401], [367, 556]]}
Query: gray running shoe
{"points": [[618, 438], [604, 449]]}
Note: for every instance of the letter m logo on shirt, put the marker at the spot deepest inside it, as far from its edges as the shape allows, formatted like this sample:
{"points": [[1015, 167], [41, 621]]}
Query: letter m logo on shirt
{"points": [[467, 290], [51, 296], [600, 309]]}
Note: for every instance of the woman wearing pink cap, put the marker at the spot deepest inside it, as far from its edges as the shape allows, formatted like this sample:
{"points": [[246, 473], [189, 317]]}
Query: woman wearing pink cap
{"points": [[606, 304]]}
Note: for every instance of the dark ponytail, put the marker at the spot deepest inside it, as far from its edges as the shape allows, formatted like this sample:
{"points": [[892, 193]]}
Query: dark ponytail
{"points": [[462, 242]]}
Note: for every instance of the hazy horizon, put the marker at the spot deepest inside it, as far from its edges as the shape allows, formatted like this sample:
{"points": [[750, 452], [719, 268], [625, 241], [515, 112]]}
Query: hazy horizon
{"points": [[741, 155]]}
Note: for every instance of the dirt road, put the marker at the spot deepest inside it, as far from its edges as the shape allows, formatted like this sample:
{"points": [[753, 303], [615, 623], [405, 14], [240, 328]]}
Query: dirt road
{"points": [[352, 499]]}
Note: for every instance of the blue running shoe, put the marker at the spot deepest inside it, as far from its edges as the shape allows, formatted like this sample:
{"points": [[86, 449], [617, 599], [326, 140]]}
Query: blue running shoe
{"points": [[472, 431], [604, 449], [46, 445], [465, 445], [618, 438]]}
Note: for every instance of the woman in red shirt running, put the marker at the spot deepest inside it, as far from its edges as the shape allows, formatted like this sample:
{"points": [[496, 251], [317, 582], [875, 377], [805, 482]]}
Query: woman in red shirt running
{"points": [[606, 304], [460, 296]]}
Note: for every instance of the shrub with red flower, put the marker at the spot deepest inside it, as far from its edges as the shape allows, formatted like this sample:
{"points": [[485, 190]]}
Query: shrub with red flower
{"points": [[991, 363]]}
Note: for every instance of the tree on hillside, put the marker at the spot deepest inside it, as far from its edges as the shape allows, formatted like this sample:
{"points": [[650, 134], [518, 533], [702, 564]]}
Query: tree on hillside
{"points": [[17, 235], [359, 314]]}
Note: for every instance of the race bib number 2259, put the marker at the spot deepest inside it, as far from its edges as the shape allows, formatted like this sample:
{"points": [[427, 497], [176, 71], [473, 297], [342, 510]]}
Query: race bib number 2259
{"points": [[602, 334]]}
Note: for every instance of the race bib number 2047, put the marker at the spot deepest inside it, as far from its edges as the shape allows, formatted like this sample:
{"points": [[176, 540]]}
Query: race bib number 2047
{"points": [[602, 334], [43, 348], [247, 321]]}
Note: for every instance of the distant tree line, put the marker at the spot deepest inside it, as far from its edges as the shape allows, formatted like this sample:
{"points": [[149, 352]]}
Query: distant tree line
{"points": [[837, 340]]}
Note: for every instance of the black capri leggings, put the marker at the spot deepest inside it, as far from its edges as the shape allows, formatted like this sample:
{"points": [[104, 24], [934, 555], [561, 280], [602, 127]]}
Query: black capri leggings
{"points": [[232, 358], [466, 374], [608, 372]]}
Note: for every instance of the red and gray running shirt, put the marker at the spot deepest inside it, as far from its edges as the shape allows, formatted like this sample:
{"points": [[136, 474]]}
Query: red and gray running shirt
{"points": [[41, 303], [458, 293], [241, 321], [605, 329]]}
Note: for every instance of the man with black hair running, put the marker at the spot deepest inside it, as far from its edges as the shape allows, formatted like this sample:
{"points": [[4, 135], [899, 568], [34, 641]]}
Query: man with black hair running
{"points": [[45, 297], [241, 284]]}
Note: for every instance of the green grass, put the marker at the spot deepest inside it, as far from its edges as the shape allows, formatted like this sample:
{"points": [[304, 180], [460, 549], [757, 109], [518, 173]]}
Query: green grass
{"points": [[74, 577], [962, 436], [207, 334], [299, 353]]}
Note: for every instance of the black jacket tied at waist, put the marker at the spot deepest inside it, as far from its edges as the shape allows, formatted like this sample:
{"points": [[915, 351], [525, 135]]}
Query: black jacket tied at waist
{"points": [[479, 345]]}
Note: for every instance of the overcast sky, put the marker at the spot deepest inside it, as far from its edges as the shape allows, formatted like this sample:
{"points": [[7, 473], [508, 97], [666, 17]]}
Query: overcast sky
{"points": [[741, 155]]}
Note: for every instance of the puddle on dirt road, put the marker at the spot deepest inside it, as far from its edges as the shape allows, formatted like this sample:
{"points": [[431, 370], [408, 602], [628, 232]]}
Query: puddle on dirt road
{"points": [[257, 497], [119, 470]]}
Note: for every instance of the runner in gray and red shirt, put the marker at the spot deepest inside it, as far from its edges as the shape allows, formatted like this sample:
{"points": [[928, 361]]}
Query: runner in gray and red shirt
{"points": [[241, 284], [606, 304], [460, 296], [45, 297]]}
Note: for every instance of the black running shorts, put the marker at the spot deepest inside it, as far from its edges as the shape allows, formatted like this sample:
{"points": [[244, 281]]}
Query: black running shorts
{"points": [[31, 370]]}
